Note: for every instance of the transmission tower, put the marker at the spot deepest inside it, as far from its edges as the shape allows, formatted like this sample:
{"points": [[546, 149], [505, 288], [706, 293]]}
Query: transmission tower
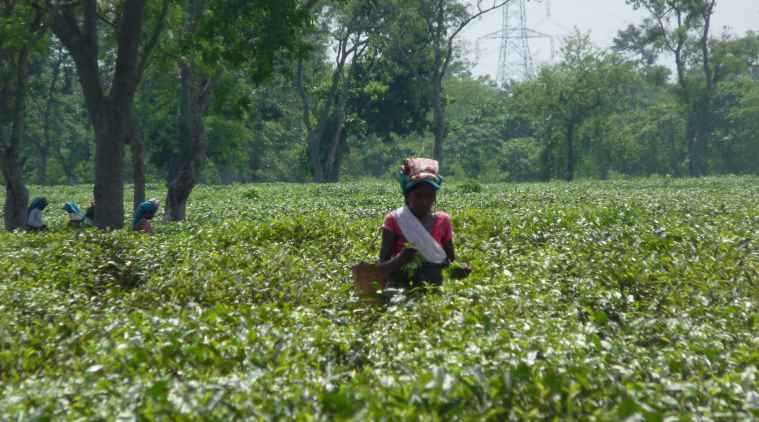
{"points": [[514, 56]]}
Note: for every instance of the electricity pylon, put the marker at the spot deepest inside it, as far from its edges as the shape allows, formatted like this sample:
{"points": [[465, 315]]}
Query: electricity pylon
{"points": [[514, 56]]}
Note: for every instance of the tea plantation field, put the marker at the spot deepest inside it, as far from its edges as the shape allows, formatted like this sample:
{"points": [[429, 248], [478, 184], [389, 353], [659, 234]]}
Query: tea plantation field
{"points": [[588, 301]]}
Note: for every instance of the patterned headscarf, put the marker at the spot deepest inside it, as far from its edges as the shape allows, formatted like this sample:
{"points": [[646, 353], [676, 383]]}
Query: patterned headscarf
{"points": [[72, 208], [419, 170], [39, 202], [146, 209]]}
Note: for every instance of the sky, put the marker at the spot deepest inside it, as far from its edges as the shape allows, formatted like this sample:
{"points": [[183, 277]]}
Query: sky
{"points": [[603, 18]]}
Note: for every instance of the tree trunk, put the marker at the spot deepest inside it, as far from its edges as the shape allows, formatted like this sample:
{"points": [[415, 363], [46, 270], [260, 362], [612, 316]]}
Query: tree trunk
{"points": [[120, 128], [138, 165], [704, 107], [186, 171], [194, 99], [12, 103], [334, 158], [570, 138], [675, 158], [605, 169], [11, 134], [330, 108], [314, 155], [335, 155], [110, 136], [254, 161], [698, 130], [690, 134], [546, 159], [315, 138], [111, 113], [16, 194], [438, 115], [313, 135], [701, 138], [227, 174], [337, 151], [43, 155], [179, 188]]}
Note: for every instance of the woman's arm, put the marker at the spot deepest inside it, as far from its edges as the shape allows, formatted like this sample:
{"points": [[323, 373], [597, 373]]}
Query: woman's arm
{"points": [[449, 252], [389, 263], [388, 241]]}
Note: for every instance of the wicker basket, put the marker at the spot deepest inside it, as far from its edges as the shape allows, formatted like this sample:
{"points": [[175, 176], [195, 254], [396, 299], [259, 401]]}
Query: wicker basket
{"points": [[368, 280]]}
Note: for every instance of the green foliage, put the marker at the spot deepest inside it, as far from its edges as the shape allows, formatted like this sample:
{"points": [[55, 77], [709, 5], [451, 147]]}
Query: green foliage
{"points": [[59, 136], [519, 160], [560, 101], [606, 301], [22, 38], [251, 33], [251, 194], [470, 186], [392, 80], [634, 120], [478, 116]]}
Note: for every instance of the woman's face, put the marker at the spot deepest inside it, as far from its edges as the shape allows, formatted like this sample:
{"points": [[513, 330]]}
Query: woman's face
{"points": [[421, 198]]}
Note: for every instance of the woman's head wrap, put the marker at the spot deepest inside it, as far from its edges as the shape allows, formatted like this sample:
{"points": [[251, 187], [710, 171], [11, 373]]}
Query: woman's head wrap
{"points": [[146, 209], [39, 202], [72, 208], [75, 214], [419, 170]]}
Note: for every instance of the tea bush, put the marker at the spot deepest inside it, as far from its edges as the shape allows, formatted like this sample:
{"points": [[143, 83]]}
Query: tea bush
{"points": [[589, 301]]}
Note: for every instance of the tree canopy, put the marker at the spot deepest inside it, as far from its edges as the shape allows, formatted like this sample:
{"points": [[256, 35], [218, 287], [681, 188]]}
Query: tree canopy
{"points": [[223, 91]]}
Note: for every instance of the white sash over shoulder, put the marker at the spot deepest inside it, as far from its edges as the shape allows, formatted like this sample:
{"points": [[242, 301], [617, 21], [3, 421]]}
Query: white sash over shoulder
{"points": [[414, 232]]}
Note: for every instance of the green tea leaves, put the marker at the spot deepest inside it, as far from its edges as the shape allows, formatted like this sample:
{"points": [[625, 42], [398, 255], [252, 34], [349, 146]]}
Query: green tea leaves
{"points": [[626, 300]]}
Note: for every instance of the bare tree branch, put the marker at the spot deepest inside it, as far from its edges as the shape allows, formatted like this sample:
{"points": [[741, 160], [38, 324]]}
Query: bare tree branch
{"points": [[106, 21], [480, 11], [301, 87]]}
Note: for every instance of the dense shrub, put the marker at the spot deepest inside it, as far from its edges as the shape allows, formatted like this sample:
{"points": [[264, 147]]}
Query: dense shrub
{"points": [[587, 301]]}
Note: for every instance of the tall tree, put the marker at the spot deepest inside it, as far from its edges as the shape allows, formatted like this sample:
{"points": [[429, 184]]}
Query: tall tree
{"points": [[215, 38], [478, 121], [21, 30], [46, 110], [563, 97], [445, 19], [735, 144], [109, 98], [683, 29], [195, 91], [375, 88], [349, 26]]}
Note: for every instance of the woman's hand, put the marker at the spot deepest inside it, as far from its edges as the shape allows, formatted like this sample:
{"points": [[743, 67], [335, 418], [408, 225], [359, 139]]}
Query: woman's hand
{"points": [[406, 255], [397, 262], [460, 270]]}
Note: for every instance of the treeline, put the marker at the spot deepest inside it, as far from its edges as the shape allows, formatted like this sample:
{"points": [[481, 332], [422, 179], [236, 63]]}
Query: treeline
{"points": [[223, 91]]}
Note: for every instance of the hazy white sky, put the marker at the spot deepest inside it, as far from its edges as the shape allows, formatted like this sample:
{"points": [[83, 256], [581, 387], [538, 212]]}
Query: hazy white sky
{"points": [[601, 17]]}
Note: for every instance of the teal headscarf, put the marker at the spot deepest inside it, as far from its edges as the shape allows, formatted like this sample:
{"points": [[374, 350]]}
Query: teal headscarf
{"points": [[145, 209], [407, 184], [72, 208], [419, 170], [39, 202]]}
